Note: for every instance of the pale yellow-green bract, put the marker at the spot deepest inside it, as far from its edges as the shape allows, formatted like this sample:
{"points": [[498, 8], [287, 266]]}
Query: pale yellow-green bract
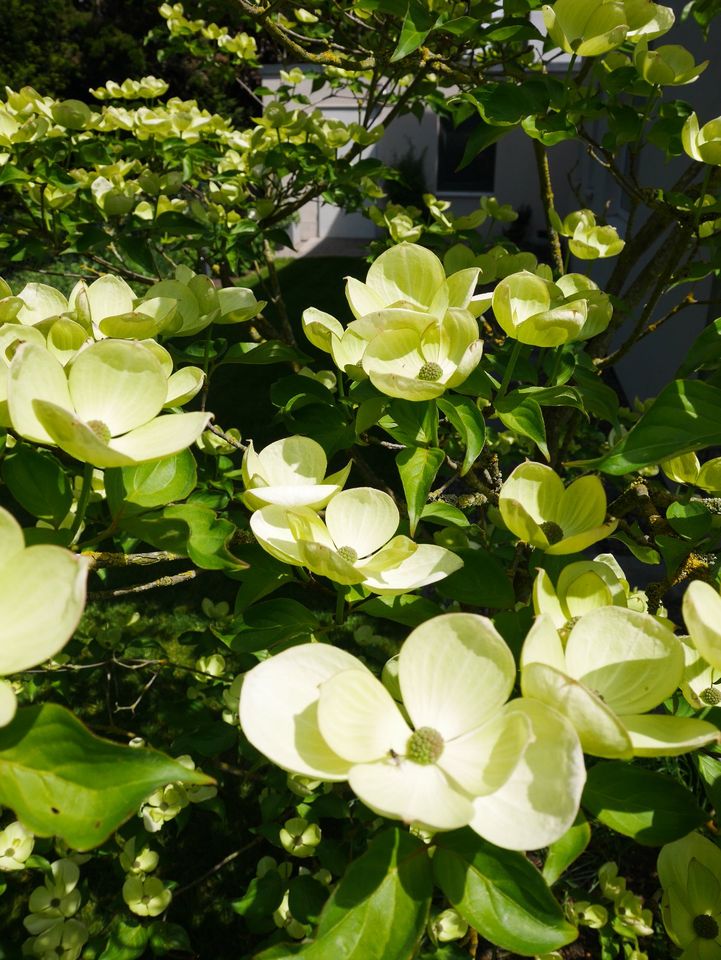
{"points": [[289, 473], [586, 239], [103, 407], [702, 143], [617, 666], [590, 28], [686, 468], [414, 334], [702, 614], [355, 544], [541, 313], [450, 758], [690, 873], [581, 587], [537, 508], [42, 595], [669, 65]]}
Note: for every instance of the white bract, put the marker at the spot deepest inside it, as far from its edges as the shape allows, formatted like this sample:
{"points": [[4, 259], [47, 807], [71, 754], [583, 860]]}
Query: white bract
{"points": [[319, 712], [103, 408], [289, 473], [617, 666], [42, 595], [355, 544]]}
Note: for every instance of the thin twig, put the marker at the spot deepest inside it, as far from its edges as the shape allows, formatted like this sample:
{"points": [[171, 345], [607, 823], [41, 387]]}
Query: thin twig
{"points": [[170, 581], [218, 866]]}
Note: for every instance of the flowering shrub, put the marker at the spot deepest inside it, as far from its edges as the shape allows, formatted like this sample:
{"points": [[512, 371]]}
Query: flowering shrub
{"points": [[407, 658]]}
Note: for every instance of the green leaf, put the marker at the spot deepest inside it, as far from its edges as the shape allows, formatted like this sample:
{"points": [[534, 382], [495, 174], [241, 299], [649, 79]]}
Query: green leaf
{"points": [[410, 422], [444, 514], [598, 398], [417, 24], [295, 391], [407, 609], [692, 520], [263, 896], [62, 780], [418, 468], [306, 898], [481, 582], [263, 575], [379, 909], [560, 396], [166, 937], [523, 415], [709, 769], [127, 941], [644, 554], [684, 417], [567, 849], [275, 621], [270, 351], [38, 483], [500, 893], [468, 421], [650, 807], [705, 351], [9, 173], [153, 484]]}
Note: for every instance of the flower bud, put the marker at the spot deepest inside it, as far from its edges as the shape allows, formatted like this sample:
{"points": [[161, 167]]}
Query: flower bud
{"points": [[300, 838]]}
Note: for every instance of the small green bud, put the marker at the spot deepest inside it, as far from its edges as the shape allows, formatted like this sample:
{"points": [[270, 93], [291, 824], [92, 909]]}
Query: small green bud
{"points": [[424, 746], [553, 532], [430, 372], [705, 927], [711, 696], [300, 838], [348, 553], [101, 430], [446, 926]]}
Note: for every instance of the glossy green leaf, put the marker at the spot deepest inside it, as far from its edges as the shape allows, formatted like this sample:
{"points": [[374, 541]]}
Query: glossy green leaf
{"points": [[263, 896], [598, 399], [709, 769], [684, 417], [468, 421], [418, 467], [270, 351], [408, 609], [650, 807], [644, 554], [705, 350], [500, 893], [523, 415], [166, 937], [444, 514], [38, 483], [481, 582], [127, 941], [62, 780], [417, 24], [379, 909], [566, 850], [153, 484], [691, 520], [411, 423]]}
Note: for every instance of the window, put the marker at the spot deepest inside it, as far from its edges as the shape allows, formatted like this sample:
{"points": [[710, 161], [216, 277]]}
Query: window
{"points": [[478, 176]]}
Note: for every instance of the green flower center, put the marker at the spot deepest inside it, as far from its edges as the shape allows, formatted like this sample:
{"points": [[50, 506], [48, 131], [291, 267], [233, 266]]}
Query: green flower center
{"points": [[705, 927], [553, 532], [10, 852], [424, 746], [710, 696], [430, 372], [348, 553], [101, 430]]}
